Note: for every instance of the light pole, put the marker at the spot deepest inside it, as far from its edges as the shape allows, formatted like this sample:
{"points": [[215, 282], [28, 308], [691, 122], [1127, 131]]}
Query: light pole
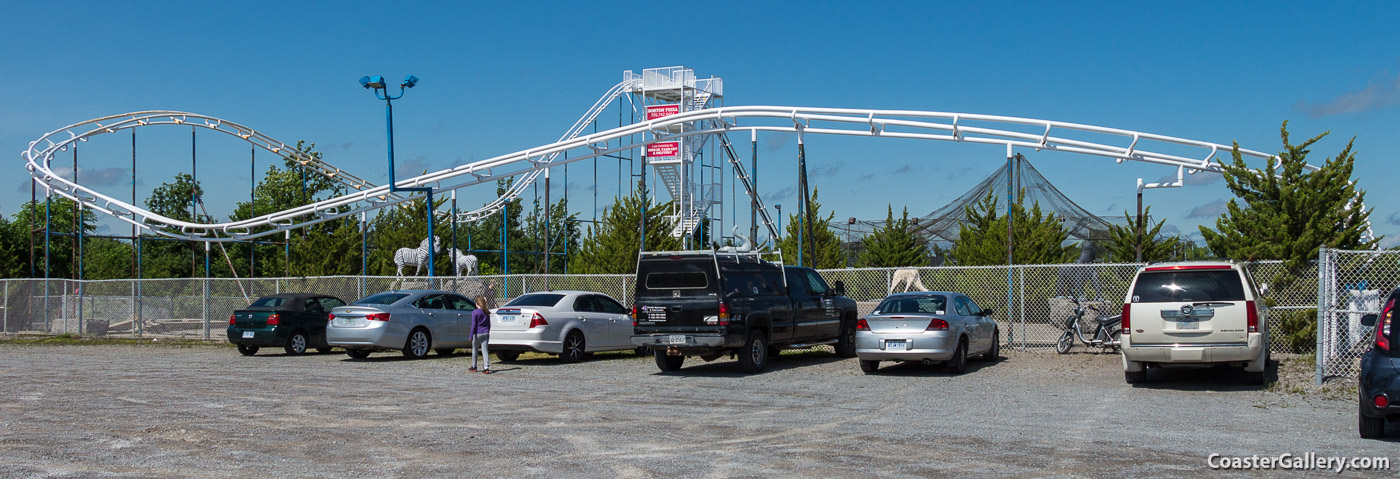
{"points": [[381, 91], [779, 207]]}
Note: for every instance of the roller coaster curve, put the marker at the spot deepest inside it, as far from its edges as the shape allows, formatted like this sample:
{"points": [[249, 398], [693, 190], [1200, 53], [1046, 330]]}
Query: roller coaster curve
{"points": [[906, 124]]}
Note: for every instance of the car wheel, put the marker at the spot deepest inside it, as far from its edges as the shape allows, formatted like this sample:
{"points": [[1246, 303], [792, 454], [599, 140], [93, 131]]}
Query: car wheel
{"points": [[357, 353], [1253, 378], [995, 351], [753, 357], [247, 350], [1369, 427], [418, 344], [1066, 341], [296, 344], [323, 350], [445, 351], [958, 364], [869, 365], [640, 351], [1135, 377], [846, 343], [573, 347], [507, 356], [666, 362]]}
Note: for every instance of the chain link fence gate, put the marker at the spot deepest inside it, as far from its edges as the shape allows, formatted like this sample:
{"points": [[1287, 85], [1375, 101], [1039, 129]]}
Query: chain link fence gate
{"points": [[1350, 285]]}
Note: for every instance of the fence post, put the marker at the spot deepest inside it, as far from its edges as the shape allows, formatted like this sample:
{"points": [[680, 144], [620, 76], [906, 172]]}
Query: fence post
{"points": [[1023, 309], [81, 291], [206, 305], [138, 304], [7, 308], [1323, 304]]}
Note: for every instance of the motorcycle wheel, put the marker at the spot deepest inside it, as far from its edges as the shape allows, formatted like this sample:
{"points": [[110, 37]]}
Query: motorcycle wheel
{"points": [[1065, 343]]}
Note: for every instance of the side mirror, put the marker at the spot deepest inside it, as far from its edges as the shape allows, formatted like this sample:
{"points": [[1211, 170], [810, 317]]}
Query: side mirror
{"points": [[1263, 289], [839, 288], [987, 312], [1368, 320]]}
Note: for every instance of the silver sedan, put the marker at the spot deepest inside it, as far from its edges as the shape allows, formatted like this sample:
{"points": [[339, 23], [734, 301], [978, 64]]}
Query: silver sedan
{"points": [[414, 322], [567, 323], [930, 327]]}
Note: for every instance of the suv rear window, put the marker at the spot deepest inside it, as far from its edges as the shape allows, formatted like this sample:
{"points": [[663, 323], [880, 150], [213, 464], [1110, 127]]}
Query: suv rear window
{"points": [[668, 277], [1182, 286], [536, 299]]}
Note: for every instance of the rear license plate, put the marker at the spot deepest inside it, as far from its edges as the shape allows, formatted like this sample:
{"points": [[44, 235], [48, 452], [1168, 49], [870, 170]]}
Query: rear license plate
{"points": [[247, 334], [510, 318], [896, 345], [676, 339], [347, 321], [1180, 325]]}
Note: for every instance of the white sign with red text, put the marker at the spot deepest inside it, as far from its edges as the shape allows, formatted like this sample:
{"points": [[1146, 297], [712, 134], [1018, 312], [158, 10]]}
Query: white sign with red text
{"points": [[662, 111]]}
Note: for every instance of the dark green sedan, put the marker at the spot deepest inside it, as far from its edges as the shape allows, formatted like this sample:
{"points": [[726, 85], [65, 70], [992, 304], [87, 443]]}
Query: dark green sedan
{"points": [[292, 321]]}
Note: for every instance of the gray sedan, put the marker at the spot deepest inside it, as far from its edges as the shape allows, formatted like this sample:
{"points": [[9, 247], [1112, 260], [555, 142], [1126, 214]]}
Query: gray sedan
{"points": [[930, 327], [567, 323], [414, 322]]}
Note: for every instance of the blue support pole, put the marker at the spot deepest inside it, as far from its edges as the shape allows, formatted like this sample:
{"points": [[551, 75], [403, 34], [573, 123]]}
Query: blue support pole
{"points": [[1010, 259]]}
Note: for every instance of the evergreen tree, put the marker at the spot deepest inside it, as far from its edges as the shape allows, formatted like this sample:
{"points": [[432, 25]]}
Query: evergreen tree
{"points": [[1039, 237], [1289, 212], [828, 253], [484, 238], [1122, 244], [893, 245], [563, 236], [612, 243]]}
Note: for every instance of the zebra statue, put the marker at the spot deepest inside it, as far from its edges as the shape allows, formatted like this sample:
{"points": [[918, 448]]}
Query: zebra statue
{"points": [[465, 262], [416, 257]]}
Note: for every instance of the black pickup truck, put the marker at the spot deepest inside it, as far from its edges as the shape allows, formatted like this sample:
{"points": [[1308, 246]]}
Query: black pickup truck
{"points": [[712, 304]]}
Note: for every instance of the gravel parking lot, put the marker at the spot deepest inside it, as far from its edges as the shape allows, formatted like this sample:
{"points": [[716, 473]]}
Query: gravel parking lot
{"points": [[205, 411]]}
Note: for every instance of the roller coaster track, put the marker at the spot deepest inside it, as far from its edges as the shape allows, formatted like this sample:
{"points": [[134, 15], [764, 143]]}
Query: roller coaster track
{"points": [[1011, 132]]}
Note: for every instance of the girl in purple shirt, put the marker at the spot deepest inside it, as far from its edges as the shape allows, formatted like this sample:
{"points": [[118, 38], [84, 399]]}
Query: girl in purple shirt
{"points": [[480, 334]]}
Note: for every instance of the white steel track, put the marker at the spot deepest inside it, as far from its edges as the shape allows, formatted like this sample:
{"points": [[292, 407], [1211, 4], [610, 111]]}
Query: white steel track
{"points": [[1012, 132]]}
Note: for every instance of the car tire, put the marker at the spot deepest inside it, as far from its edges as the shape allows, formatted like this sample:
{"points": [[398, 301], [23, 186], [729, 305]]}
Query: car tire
{"points": [[753, 357], [507, 356], [1135, 377], [1065, 343], [324, 350], [1369, 427], [296, 344], [666, 362], [869, 366], [573, 347], [1253, 378], [247, 350], [418, 344], [357, 353], [445, 351], [846, 342], [958, 364], [640, 351], [995, 351]]}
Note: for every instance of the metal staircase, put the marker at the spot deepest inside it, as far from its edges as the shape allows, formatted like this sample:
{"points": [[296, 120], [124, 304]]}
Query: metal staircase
{"points": [[692, 201]]}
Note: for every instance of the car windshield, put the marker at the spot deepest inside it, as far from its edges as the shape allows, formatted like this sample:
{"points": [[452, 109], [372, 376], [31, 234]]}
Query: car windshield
{"points": [[1184, 286], [268, 302], [537, 299], [913, 305], [382, 298]]}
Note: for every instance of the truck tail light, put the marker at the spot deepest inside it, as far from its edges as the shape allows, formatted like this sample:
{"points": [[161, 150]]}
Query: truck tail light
{"points": [[1383, 326], [1127, 324], [230, 319], [377, 317], [723, 313], [274, 320], [1381, 401], [937, 324], [1253, 316], [634, 314], [861, 325], [537, 320]]}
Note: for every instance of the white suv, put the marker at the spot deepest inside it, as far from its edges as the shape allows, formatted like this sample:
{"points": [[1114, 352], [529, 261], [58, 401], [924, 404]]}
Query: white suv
{"points": [[1194, 314]]}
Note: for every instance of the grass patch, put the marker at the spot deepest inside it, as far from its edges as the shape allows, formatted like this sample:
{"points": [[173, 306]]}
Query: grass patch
{"points": [[75, 340]]}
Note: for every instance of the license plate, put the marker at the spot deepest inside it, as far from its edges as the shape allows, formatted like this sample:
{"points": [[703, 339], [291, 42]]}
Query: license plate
{"points": [[347, 321], [898, 345], [508, 318], [1187, 325], [247, 334], [677, 339]]}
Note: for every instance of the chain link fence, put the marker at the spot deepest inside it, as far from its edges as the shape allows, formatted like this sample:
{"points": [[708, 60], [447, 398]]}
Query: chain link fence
{"points": [[1031, 302], [1350, 285]]}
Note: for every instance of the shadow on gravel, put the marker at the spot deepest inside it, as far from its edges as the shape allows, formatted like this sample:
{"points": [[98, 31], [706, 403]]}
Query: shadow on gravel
{"points": [[914, 368], [553, 360], [1218, 378], [725, 367]]}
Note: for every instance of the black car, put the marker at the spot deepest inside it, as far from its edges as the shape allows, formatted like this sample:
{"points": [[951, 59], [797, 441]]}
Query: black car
{"points": [[292, 321], [1379, 383]]}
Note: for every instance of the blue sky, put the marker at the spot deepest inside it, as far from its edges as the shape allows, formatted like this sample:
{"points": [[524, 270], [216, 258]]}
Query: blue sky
{"points": [[503, 76]]}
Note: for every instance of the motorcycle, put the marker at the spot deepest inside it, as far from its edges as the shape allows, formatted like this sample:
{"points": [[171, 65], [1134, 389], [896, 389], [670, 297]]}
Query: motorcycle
{"points": [[1106, 330]]}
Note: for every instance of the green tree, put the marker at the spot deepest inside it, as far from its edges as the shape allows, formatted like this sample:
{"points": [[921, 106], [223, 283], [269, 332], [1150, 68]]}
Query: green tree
{"points": [[61, 214], [828, 253], [1288, 212], [1039, 237], [893, 245], [611, 244], [563, 237], [162, 257], [485, 237], [1122, 244]]}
